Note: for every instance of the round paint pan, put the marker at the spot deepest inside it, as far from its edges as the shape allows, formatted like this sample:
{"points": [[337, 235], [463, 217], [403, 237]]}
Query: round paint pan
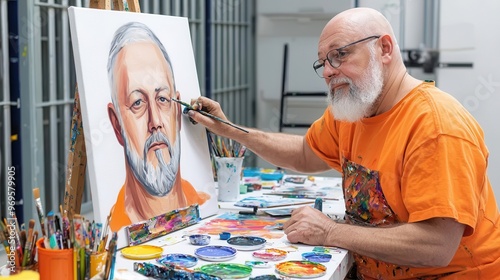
{"points": [[178, 259], [316, 257], [227, 270], [246, 243], [266, 277], [215, 253], [142, 252], [301, 269], [271, 254]]}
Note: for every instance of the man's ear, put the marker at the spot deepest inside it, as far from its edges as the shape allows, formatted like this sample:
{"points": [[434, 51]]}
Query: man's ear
{"points": [[179, 111], [117, 128], [387, 48]]}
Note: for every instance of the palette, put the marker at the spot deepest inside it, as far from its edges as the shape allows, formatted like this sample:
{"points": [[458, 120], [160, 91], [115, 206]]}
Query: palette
{"points": [[266, 277], [199, 239], [251, 172], [169, 272], [142, 252], [178, 259], [271, 254], [227, 270], [215, 253], [161, 225], [239, 224], [258, 264], [316, 257], [271, 174], [246, 243], [301, 269]]}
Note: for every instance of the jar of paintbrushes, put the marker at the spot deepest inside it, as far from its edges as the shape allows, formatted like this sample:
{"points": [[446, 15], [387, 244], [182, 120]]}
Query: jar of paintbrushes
{"points": [[19, 245], [228, 156]]}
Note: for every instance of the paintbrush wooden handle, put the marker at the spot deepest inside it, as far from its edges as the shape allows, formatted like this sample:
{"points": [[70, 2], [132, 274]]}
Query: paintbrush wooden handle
{"points": [[209, 115], [221, 120]]}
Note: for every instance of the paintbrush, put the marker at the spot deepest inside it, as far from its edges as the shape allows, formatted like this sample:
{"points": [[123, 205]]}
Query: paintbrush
{"points": [[17, 236], [104, 235], [209, 115], [111, 258], [41, 217], [22, 237], [3, 240], [27, 247], [33, 245]]}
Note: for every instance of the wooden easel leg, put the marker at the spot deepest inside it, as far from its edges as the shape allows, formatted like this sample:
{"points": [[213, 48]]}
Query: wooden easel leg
{"points": [[133, 6], [77, 162], [100, 4]]}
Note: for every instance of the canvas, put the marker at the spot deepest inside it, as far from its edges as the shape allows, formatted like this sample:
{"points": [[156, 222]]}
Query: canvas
{"points": [[142, 61]]}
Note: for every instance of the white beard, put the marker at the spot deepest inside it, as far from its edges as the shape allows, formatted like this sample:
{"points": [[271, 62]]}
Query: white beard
{"points": [[157, 181], [354, 102]]}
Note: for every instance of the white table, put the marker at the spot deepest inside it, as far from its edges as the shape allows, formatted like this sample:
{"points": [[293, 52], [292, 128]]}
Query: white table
{"points": [[337, 267]]}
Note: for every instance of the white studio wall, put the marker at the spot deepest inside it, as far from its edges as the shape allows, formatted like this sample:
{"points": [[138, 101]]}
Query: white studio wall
{"points": [[298, 24], [469, 33]]}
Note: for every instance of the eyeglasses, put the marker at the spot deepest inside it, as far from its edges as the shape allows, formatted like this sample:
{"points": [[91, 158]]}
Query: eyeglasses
{"points": [[336, 56]]}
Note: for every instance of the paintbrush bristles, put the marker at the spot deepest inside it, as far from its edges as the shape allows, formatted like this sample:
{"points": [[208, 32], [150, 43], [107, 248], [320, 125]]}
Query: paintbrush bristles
{"points": [[28, 245], [36, 193], [31, 224], [39, 209]]}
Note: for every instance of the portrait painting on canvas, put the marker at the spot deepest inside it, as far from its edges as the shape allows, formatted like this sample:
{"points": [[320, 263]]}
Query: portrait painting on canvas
{"points": [[144, 156]]}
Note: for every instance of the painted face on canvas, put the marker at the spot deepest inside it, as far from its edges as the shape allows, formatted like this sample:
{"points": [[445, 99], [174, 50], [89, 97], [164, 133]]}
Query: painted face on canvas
{"points": [[149, 119]]}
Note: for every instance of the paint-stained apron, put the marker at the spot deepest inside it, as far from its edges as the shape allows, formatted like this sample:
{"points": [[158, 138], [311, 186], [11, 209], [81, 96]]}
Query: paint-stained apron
{"points": [[366, 206]]}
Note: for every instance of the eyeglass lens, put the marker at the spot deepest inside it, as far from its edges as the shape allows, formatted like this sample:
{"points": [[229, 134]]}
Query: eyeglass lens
{"points": [[334, 57]]}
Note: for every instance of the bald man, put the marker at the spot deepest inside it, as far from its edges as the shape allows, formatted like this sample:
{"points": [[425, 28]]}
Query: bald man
{"points": [[419, 204]]}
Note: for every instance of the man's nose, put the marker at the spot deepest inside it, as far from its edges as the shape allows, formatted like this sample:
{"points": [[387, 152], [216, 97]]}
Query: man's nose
{"points": [[155, 121], [329, 71]]}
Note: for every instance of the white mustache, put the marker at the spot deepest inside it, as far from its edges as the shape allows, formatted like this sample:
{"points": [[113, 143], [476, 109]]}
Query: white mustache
{"points": [[156, 137]]}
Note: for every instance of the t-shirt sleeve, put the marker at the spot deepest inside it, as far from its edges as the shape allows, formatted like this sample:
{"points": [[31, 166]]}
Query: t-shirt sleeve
{"points": [[439, 182], [322, 138]]}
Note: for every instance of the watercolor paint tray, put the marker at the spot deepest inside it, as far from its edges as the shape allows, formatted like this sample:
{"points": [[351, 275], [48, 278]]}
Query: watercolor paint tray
{"points": [[247, 243], [271, 254], [301, 269], [183, 260], [162, 224], [270, 201], [271, 175], [227, 270], [282, 212], [266, 277], [215, 253], [316, 257], [258, 264], [142, 252], [252, 171]]}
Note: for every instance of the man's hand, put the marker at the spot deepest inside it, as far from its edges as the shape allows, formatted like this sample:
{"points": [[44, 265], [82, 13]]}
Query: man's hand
{"points": [[308, 225], [428, 243], [213, 108]]}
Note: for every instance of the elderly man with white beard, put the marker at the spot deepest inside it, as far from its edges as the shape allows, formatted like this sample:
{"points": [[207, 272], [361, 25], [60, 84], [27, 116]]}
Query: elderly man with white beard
{"points": [[419, 204], [147, 124]]}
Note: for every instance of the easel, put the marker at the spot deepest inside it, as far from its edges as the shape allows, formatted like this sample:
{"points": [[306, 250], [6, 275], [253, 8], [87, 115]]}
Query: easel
{"points": [[77, 156]]}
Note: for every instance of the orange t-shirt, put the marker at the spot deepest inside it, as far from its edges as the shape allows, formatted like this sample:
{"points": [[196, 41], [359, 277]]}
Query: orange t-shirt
{"points": [[424, 158], [119, 217]]}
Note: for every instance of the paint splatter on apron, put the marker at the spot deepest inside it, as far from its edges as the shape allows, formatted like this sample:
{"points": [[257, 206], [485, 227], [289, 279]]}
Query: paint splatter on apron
{"points": [[366, 206]]}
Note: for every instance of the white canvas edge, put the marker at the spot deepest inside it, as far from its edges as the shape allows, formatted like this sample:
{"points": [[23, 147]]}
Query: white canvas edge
{"points": [[208, 209]]}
